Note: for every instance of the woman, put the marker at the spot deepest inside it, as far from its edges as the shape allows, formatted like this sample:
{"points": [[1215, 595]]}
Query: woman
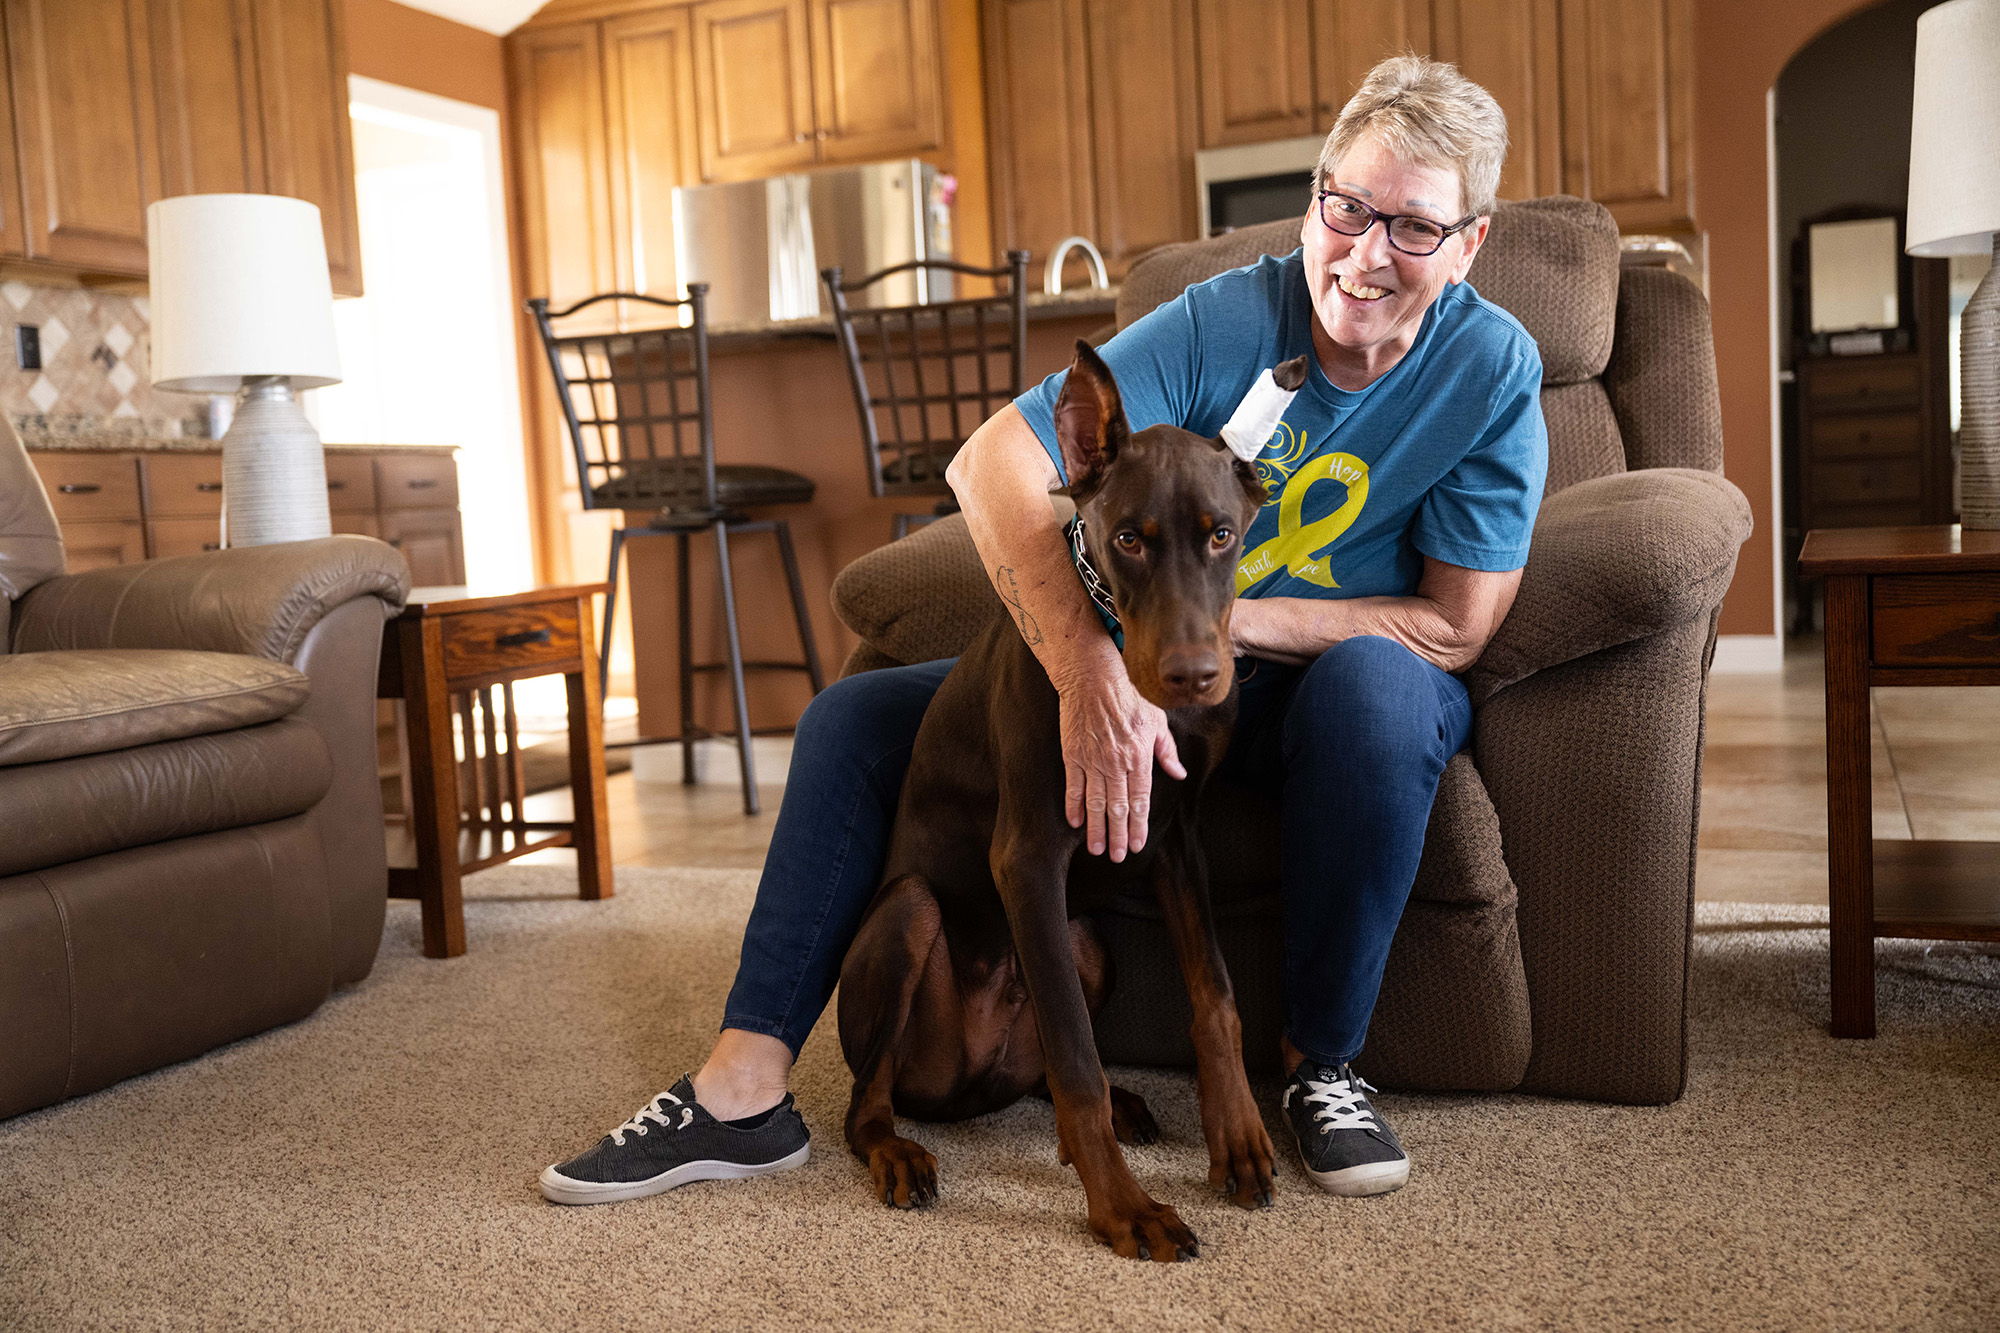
{"points": [[1404, 482]]}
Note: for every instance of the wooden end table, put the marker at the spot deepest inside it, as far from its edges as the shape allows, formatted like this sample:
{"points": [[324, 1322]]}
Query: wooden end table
{"points": [[443, 657], [1904, 606]]}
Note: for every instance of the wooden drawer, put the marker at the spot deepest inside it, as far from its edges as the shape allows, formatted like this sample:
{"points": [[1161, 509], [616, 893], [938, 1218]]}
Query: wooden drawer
{"points": [[182, 536], [82, 487], [430, 541], [182, 484], [1864, 379], [424, 481], [95, 545], [350, 486], [1866, 434], [1878, 480], [1935, 619], [365, 524], [514, 638]]}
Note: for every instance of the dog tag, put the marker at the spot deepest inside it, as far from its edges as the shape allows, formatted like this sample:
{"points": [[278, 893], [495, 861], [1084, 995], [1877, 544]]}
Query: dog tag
{"points": [[1256, 417]]}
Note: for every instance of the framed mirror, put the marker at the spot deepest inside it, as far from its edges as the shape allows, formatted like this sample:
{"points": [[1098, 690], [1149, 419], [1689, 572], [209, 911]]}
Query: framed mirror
{"points": [[1854, 277]]}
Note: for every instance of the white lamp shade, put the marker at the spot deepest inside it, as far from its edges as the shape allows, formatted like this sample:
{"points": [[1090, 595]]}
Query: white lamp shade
{"points": [[1955, 131], [240, 288]]}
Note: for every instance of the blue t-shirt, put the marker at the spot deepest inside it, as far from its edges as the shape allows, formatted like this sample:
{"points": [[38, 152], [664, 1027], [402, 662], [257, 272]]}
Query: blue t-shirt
{"points": [[1443, 456]]}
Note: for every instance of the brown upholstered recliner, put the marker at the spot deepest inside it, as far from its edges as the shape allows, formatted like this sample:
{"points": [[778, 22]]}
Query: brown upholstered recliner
{"points": [[190, 820], [1546, 942]]}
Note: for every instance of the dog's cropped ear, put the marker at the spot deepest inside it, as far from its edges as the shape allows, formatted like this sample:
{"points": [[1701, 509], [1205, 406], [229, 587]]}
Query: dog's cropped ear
{"points": [[1090, 420]]}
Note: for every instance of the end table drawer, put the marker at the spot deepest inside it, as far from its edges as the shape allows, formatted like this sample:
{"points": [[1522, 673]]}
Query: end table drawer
{"points": [[1935, 619], [484, 643]]}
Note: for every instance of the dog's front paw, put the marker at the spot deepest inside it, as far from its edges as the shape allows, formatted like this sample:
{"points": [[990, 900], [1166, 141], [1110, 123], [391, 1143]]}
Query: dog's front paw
{"points": [[1240, 1156], [905, 1174], [1143, 1229]]}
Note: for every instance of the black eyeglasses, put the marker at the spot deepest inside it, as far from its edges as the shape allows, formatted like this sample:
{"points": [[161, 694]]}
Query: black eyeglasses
{"points": [[1409, 233]]}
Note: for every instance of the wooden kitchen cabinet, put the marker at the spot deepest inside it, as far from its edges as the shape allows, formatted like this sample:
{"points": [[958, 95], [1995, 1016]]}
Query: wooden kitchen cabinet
{"points": [[1350, 37], [1143, 114], [1039, 124], [205, 82], [1510, 48], [876, 75], [82, 82], [308, 143], [557, 94], [1628, 115], [1255, 70], [753, 75], [649, 119]]}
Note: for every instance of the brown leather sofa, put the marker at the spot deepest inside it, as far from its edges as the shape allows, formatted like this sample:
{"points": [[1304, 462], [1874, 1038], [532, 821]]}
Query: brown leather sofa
{"points": [[1546, 942], [190, 821]]}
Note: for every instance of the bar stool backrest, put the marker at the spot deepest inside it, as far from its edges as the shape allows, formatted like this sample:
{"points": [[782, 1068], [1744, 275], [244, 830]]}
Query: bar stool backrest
{"points": [[636, 404], [926, 376]]}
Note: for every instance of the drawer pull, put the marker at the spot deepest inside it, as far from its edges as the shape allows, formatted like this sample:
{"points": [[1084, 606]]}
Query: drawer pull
{"points": [[79, 488], [211, 546], [422, 483], [336, 485], [208, 487], [523, 639]]}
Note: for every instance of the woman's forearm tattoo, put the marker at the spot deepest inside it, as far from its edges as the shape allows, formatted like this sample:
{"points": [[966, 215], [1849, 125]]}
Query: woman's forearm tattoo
{"points": [[1010, 593]]}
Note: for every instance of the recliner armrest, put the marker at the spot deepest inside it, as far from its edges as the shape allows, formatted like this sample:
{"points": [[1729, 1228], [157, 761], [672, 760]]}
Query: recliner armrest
{"points": [[1615, 559], [259, 600]]}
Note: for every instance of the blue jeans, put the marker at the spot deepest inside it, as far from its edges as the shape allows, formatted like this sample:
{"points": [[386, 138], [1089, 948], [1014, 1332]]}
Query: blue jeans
{"points": [[1352, 748]]}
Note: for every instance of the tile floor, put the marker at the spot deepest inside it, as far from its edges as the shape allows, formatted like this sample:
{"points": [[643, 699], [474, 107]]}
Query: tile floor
{"points": [[1763, 809]]}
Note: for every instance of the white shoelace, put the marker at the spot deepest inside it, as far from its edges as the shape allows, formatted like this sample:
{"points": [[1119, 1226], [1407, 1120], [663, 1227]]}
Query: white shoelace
{"points": [[1339, 1100], [653, 1111]]}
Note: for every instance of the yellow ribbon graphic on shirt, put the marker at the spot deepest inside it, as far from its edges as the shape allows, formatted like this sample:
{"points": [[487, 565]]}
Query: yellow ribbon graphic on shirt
{"points": [[1299, 544]]}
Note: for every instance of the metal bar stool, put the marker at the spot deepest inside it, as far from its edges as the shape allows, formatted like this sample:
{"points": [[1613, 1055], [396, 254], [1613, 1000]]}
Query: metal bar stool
{"points": [[938, 360], [639, 416]]}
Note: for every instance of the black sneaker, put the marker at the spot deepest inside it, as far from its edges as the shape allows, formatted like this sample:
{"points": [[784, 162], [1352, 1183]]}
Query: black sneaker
{"points": [[1347, 1146], [672, 1141]]}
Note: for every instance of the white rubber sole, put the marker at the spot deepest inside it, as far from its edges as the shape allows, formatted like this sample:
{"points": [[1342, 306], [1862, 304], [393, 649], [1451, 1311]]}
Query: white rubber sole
{"points": [[1359, 1182], [558, 1188]]}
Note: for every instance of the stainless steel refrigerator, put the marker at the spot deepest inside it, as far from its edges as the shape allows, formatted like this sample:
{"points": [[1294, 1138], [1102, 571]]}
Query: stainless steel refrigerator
{"points": [[759, 245]]}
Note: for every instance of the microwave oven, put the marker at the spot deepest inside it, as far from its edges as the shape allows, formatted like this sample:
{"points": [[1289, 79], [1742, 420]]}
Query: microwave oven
{"points": [[1245, 184]]}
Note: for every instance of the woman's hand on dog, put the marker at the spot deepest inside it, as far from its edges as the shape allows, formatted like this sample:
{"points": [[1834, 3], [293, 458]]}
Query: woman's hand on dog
{"points": [[1110, 738]]}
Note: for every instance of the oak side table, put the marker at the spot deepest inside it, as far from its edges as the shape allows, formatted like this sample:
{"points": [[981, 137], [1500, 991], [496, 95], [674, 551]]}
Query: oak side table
{"points": [[1904, 606], [463, 797]]}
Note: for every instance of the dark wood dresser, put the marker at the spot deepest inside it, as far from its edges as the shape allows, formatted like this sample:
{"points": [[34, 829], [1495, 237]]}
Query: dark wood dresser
{"points": [[1874, 449], [116, 506]]}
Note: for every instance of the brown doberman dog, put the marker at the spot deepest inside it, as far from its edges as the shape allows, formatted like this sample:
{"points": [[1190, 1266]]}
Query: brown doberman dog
{"points": [[982, 908]]}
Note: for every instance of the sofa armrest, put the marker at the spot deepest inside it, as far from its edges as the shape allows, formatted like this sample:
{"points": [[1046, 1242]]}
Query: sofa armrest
{"points": [[258, 600], [921, 598], [1615, 559]]}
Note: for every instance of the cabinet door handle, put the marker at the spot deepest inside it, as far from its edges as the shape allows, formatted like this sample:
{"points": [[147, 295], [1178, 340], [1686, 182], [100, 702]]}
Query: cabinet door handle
{"points": [[211, 546], [208, 487], [522, 639], [336, 485], [800, 137], [423, 483], [79, 488]]}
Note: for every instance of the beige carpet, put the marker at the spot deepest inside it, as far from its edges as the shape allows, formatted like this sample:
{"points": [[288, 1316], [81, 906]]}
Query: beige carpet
{"points": [[373, 1168]]}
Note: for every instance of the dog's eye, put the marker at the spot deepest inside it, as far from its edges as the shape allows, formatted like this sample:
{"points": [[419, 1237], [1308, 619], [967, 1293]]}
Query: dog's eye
{"points": [[1127, 541], [1221, 538]]}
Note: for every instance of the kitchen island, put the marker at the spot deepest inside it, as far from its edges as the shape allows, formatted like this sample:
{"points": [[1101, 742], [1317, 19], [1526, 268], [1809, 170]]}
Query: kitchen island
{"points": [[782, 398]]}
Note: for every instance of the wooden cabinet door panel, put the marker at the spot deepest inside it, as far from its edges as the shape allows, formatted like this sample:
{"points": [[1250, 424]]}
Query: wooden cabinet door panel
{"points": [[875, 78], [753, 73], [308, 145], [168, 537], [1255, 70], [1143, 132], [431, 541], [13, 226], [83, 98], [96, 545], [1038, 122], [1509, 47], [205, 82], [650, 134], [558, 99], [1350, 37], [1628, 115]]}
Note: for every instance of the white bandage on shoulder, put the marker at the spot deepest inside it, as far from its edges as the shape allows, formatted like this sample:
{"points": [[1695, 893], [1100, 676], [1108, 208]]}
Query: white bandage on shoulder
{"points": [[1257, 417]]}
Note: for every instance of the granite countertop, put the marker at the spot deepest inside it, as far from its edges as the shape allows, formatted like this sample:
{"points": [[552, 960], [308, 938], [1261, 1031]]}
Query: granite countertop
{"points": [[738, 335], [111, 443]]}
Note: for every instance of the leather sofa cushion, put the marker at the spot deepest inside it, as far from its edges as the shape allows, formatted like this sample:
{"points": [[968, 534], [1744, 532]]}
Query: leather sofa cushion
{"points": [[59, 705], [68, 809]]}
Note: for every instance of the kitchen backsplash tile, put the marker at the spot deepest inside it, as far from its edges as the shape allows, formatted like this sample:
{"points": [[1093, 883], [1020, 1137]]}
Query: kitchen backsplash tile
{"points": [[96, 350]]}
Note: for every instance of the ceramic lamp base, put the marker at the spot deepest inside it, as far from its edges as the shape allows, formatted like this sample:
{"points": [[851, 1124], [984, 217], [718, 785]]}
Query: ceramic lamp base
{"points": [[273, 469], [1979, 402]]}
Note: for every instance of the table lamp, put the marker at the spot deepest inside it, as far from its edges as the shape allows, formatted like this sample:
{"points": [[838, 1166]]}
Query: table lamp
{"points": [[1955, 210], [241, 301]]}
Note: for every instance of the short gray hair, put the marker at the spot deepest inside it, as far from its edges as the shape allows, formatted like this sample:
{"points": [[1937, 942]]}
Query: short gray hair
{"points": [[1425, 112]]}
